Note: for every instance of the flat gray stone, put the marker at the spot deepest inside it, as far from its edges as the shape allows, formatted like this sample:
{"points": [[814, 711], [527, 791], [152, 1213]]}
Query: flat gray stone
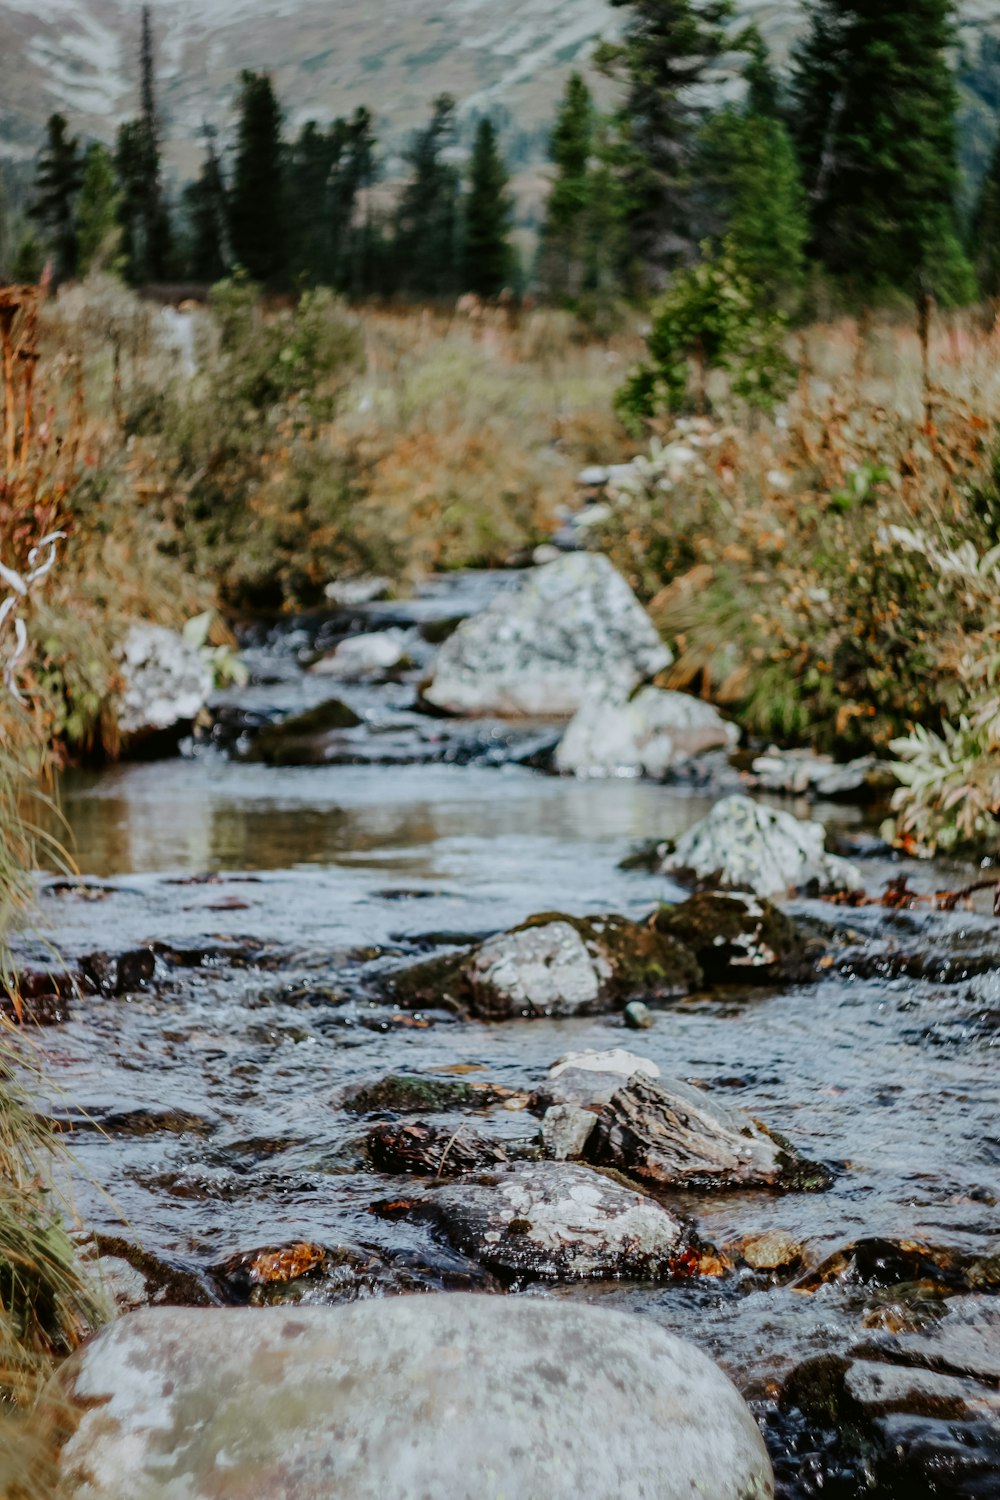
{"points": [[361, 656], [413, 1398], [882, 1389], [572, 627], [565, 1128], [802, 773]]}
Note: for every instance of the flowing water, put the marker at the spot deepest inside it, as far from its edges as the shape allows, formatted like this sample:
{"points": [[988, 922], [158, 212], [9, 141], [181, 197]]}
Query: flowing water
{"points": [[206, 1108]]}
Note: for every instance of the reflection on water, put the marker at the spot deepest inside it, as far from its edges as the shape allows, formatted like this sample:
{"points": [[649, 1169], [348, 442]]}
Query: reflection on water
{"points": [[213, 814]]}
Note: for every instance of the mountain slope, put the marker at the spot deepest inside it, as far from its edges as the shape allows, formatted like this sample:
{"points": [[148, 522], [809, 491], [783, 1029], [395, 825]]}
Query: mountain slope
{"points": [[326, 57]]}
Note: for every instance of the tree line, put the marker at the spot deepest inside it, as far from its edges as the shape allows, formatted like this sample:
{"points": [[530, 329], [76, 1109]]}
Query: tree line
{"points": [[843, 167], [289, 214]]}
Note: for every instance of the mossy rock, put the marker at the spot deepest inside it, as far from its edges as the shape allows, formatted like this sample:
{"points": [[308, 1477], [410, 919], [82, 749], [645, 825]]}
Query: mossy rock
{"points": [[298, 740], [647, 964], [582, 966], [739, 939]]}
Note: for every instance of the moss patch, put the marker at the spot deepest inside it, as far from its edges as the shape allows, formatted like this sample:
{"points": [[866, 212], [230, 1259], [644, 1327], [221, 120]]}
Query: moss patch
{"points": [[646, 964], [738, 940]]}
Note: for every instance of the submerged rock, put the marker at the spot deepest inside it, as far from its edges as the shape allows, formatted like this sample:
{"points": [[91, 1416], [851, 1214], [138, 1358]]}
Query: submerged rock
{"points": [[922, 1432], [803, 773], [965, 1342], [301, 738], [744, 846], [361, 656], [555, 1221], [426, 1150], [774, 1251], [448, 1398], [419, 1093], [572, 626], [647, 735], [554, 965], [739, 939], [165, 682], [668, 1134], [328, 1275]]}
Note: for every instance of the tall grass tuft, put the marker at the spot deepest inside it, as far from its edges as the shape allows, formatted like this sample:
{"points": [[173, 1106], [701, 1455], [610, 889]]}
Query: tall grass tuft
{"points": [[46, 1304]]}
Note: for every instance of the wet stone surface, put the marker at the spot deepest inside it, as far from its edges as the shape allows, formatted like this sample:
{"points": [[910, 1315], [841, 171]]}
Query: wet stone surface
{"points": [[239, 1085]]}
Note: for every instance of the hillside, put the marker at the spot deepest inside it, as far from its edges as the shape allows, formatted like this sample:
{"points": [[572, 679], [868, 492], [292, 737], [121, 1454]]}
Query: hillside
{"points": [[327, 57]]}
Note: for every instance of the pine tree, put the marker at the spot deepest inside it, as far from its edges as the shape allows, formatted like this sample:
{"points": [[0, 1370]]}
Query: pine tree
{"points": [[877, 142], [205, 210], [984, 235], [98, 229], [257, 209], [427, 217], [763, 91], [57, 183], [312, 161], [562, 250], [665, 52], [753, 187], [156, 221], [488, 258], [144, 216], [353, 212]]}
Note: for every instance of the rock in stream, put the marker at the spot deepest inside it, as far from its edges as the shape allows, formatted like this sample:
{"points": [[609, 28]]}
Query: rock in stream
{"points": [[646, 735], [445, 1398], [572, 626], [555, 1221], [743, 846]]}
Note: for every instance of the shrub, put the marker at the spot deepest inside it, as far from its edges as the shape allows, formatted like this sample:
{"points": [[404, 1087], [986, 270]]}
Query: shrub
{"points": [[709, 319]]}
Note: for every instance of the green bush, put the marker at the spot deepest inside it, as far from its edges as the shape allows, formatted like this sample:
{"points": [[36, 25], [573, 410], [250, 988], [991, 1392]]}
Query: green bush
{"points": [[710, 319]]}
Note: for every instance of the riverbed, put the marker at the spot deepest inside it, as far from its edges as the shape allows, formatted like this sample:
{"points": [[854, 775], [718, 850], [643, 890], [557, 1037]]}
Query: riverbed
{"points": [[204, 1108]]}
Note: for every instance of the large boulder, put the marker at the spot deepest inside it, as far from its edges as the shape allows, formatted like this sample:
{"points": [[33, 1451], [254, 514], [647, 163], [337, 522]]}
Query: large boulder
{"points": [[446, 1398], [165, 682], [644, 736], [554, 1221], [572, 627], [743, 846]]}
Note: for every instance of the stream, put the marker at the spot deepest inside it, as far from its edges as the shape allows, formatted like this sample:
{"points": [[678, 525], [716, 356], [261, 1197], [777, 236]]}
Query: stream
{"points": [[203, 1105]]}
